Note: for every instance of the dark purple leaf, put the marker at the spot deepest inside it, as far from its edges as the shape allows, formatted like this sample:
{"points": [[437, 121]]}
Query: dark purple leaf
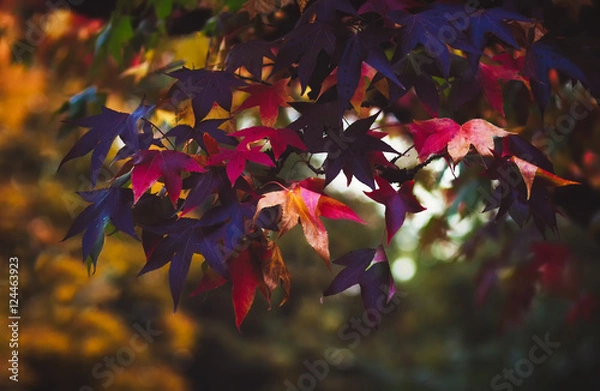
{"points": [[113, 205], [369, 268], [249, 55], [204, 88], [104, 128]]}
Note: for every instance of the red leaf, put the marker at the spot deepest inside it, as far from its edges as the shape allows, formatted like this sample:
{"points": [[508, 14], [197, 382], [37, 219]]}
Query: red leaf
{"points": [[236, 160], [153, 164], [210, 280], [435, 135], [268, 98], [492, 77], [246, 277], [279, 138]]}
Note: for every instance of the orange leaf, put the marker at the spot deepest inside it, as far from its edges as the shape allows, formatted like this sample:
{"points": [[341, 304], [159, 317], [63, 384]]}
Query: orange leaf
{"points": [[530, 171], [305, 202], [274, 270]]}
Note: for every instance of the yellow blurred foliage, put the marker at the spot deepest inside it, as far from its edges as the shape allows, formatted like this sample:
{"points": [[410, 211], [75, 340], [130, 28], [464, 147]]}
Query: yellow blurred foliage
{"points": [[42, 340]]}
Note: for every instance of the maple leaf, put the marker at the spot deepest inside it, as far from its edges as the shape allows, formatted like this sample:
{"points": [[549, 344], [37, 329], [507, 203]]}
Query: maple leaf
{"points": [[363, 46], [414, 74], [150, 165], [367, 73], [518, 195], [269, 98], [349, 151], [370, 269], [303, 45], [304, 202], [205, 88], [236, 160], [435, 135], [246, 276], [274, 270], [202, 185], [397, 204], [258, 265], [493, 21], [104, 128], [530, 171], [315, 119], [491, 77], [235, 220], [541, 56], [182, 239], [184, 133], [423, 28], [210, 280], [249, 55], [112, 205], [279, 139]]}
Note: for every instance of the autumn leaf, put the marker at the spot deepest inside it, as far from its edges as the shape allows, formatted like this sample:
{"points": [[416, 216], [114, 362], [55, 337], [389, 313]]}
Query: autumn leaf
{"points": [[268, 98], [279, 139], [530, 171], [370, 269], [237, 158], [185, 133], [273, 268], [249, 55], [365, 46], [366, 74], [423, 28], [397, 204], [104, 129], [179, 241], [246, 277], [350, 151], [107, 205], [303, 45], [492, 77], [435, 135], [150, 165], [204, 88], [304, 202]]}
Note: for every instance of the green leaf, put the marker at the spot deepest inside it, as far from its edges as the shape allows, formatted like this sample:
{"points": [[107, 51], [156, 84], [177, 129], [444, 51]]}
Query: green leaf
{"points": [[115, 36], [163, 8]]}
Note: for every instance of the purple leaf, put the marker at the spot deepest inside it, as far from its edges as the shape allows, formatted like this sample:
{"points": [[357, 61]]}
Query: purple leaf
{"points": [[104, 128], [185, 238], [111, 204], [250, 56], [369, 268], [204, 88]]}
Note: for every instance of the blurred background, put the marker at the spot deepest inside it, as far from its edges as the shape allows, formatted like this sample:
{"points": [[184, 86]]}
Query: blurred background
{"points": [[469, 307]]}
